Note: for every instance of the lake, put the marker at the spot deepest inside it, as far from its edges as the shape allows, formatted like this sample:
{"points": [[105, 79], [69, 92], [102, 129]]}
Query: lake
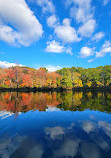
{"points": [[55, 125]]}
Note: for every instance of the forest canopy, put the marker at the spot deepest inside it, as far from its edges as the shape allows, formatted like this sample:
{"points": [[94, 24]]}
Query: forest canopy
{"points": [[18, 77]]}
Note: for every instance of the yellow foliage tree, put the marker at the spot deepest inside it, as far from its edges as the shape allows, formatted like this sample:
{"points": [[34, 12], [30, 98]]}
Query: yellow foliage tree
{"points": [[76, 81]]}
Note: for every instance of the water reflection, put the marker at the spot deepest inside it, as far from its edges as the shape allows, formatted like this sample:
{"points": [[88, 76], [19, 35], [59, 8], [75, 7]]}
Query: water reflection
{"points": [[55, 125], [22, 102]]}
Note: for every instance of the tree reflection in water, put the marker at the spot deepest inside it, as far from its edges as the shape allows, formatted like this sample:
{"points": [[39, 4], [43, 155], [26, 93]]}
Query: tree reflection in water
{"points": [[24, 102]]}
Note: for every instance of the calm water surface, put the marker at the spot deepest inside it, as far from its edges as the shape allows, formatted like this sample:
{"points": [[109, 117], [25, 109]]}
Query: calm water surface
{"points": [[55, 125]]}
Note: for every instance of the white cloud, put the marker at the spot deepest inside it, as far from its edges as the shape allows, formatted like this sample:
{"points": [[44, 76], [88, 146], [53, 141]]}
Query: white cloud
{"points": [[52, 68], [86, 52], [54, 47], [91, 60], [81, 10], [5, 64], [69, 51], [106, 44], [66, 33], [66, 22], [47, 6], [52, 21], [24, 28], [98, 36], [87, 29], [105, 2], [103, 52], [106, 48], [7, 34]]}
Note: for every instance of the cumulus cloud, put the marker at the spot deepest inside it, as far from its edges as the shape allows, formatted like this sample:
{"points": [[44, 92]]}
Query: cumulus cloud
{"points": [[5, 64], [54, 47], [18, 23], [53, 68], [87, 29], [103, 52], [81, 10], [86, 52], [52, 21], [7, 34], [106, 48], [106, 44], [66, 33], [69, 51], [47, 6], [98, 36]]}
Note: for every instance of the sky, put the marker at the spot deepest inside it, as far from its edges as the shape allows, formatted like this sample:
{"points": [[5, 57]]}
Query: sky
{"points": [[55, 33]]}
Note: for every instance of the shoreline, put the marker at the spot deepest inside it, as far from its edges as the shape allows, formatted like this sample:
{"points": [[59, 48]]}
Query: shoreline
{"points": [[59, 89]]}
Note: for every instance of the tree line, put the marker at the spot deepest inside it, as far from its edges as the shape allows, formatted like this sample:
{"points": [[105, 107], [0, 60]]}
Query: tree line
{"points": [[20, 77], [80, 77]]}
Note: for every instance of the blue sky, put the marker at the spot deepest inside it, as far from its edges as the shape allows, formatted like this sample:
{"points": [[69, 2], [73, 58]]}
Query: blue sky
{"points": [[55, 33]]}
